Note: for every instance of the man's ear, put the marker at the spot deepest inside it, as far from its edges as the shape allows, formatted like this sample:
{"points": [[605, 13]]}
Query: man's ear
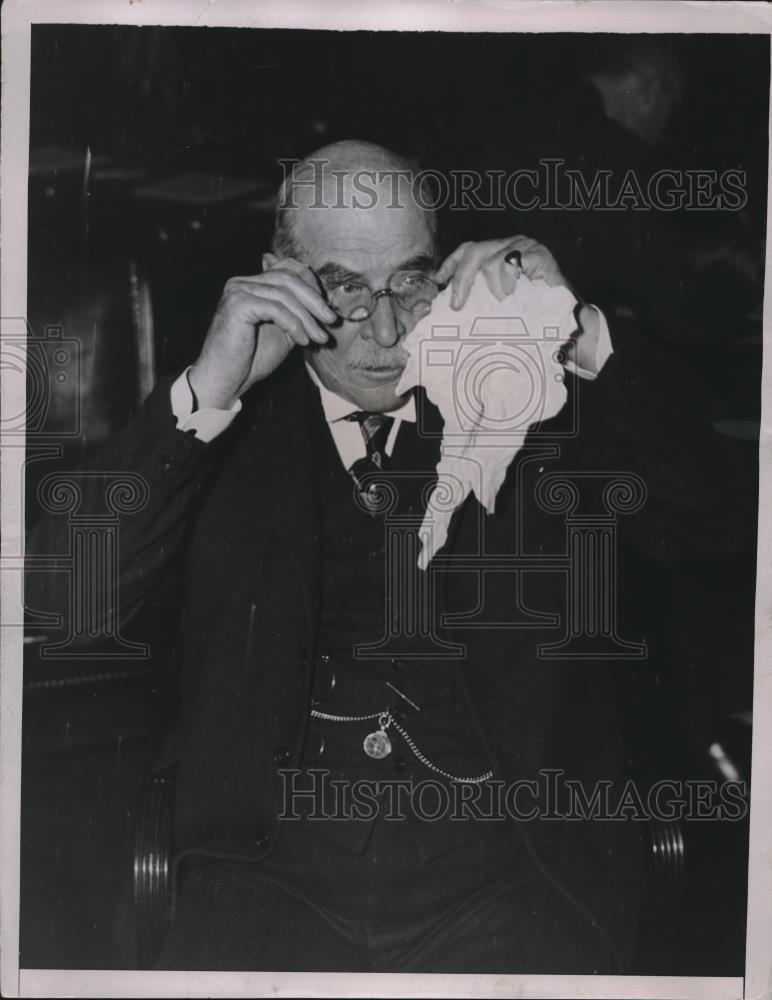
{"points": [[270, 260]]}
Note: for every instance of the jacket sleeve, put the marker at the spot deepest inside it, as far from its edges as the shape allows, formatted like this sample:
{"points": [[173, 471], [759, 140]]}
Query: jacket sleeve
{"points": [[124, 512], [651, 414]]}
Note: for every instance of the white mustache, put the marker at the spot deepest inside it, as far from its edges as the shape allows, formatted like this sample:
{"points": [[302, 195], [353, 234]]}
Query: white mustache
{"points": [[381, 362]]}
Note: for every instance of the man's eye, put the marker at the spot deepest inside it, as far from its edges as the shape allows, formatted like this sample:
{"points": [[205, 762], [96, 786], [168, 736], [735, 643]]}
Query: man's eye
{"points": [[348, 288], [411, 281]]}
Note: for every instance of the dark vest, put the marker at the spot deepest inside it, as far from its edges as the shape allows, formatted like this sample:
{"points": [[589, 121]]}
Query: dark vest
{"points": [[372, 656]]}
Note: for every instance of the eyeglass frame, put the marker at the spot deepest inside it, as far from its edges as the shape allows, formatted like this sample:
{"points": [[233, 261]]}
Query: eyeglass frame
{"points": [[378, 295]]}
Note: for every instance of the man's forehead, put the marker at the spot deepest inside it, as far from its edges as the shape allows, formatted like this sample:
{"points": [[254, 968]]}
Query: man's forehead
{"points": [[359, 241]]}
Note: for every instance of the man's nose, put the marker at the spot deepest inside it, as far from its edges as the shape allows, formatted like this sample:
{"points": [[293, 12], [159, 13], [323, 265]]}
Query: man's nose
{"points": [[385, 326]]}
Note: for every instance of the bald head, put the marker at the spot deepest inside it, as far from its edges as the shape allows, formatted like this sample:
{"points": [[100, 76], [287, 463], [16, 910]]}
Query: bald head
{"points": [[351, 174], [351, 154]]}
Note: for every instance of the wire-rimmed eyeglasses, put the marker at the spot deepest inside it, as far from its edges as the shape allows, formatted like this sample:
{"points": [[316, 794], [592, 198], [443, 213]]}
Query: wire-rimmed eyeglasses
{"points": [[355, 301]]}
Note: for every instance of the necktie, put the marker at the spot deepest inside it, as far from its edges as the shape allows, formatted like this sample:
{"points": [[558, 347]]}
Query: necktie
{"points": [[375, 428]]}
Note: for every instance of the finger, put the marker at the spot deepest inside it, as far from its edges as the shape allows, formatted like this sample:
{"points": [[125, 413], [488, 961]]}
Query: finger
{"points": [[306, 297], [521, 242], [500, 276], [309, 294], [280, 315], [535, 260], [534, 264], [515, 249], [303, 271], [309, 278], [309, 297], [262, 312], [466, 272], [449, 265], [290, 262], [262, 309], [295, 308]]}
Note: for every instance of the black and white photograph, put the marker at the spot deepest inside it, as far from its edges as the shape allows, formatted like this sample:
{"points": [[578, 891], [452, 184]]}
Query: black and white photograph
{"points": [[386, 487]]}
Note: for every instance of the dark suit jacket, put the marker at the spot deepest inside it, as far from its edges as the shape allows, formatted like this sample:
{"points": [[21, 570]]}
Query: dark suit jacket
{"points": [[240, 517]]}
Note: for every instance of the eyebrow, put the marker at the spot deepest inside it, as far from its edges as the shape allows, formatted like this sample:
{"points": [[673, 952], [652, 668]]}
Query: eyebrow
{"points": [[419, 262], [338, 273]]}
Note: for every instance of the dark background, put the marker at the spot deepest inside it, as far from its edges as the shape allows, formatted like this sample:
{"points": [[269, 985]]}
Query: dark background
{"points": [[153, 164]]}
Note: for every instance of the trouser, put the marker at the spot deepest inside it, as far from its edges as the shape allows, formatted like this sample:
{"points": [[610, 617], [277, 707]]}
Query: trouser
{"points": [[484, 906]]}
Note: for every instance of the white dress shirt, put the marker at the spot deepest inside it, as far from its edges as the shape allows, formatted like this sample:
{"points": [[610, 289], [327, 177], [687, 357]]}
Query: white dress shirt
{"points": [[347, 434], [207, 424]]}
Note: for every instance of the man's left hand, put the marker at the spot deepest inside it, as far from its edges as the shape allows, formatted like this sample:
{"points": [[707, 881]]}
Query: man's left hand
{"points": [[535, 262], [489, 258]]}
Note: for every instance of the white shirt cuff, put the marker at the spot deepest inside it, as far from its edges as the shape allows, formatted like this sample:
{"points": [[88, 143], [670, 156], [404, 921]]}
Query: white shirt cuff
{"points": [[603, 351], [206, 424]]}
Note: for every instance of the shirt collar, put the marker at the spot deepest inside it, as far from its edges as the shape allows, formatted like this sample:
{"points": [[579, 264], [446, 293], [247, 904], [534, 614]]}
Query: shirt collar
{"points": [[337, 408]]}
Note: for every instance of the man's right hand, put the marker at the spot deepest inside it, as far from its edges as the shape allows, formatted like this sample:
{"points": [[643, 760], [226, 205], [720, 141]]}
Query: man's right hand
{"points": [[258, 321]]}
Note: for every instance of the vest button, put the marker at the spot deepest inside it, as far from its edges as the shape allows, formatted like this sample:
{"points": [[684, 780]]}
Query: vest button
{"points": [[397, 665], [399, 764], [281, 755], [169, 463], [262, 840]]}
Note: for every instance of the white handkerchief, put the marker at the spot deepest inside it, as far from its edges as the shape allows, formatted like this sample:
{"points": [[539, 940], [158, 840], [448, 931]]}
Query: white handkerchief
{"points": [[493, 369]]}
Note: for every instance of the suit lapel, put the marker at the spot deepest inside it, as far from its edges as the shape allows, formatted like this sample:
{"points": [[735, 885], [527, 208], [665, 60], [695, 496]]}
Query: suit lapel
{"points": [[288, 479]]}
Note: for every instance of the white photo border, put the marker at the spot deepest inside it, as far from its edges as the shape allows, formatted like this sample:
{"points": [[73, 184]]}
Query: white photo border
{"points": [[674, 16]]}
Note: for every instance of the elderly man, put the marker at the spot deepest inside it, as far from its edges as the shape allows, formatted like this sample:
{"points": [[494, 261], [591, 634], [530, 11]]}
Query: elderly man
{"points": [[254, 460]]}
